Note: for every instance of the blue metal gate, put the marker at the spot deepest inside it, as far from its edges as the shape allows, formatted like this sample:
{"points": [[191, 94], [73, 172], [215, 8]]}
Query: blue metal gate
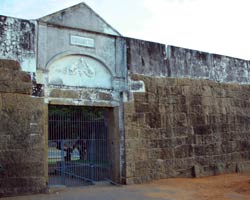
{"points": [[77, 145]]}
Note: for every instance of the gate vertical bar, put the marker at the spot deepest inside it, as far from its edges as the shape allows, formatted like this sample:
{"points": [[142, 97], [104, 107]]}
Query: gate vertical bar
{"points": [[62, 162]]}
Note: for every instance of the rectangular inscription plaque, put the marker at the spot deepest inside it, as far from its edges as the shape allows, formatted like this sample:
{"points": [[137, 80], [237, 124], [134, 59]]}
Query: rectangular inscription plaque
{"points": [[82, 41]]}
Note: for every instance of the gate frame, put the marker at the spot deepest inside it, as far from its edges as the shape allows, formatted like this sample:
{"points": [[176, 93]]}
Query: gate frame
{"points": [[114, 137]]}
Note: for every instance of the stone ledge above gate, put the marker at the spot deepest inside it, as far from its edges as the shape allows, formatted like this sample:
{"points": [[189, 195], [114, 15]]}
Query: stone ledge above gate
{"points": [[82, 96]]}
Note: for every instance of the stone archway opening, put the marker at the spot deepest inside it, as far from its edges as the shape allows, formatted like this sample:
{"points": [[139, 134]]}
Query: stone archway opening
{"points": [[80, 145]]}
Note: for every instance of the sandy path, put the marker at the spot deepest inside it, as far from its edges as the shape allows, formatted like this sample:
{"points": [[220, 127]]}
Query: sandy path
{"points": [[223, 187]]}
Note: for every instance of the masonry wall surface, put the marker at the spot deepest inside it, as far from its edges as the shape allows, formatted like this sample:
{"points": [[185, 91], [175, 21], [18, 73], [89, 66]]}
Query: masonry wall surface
{"points": [[147, 58], [154, 59], [186, 128], [189, 63], [22, 138]]}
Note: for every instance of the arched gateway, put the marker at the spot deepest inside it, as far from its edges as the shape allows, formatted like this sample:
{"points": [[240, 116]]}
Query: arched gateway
{"points": [[79, 145], [83, 80]]}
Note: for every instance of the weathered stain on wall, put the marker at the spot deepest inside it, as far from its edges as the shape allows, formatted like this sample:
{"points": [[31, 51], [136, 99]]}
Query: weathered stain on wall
{"points": [[17, 41], [153, 59], [200, 65], [186, 128], [147, 58], [22, 136]]}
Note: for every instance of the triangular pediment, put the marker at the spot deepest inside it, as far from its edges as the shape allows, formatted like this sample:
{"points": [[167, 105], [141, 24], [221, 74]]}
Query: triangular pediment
{"points": [[80, 16]]}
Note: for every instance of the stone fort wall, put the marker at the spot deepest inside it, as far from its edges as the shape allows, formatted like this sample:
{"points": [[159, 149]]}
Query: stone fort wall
{"points": [[190, 119], [186, 128], [177, 127], [154, 59], [22, 137]]}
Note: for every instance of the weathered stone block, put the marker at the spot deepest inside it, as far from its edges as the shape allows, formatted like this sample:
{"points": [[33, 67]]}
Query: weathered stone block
{"points": [[21, 76], [210, 149], [197, 171], [183, 163], [197, 119], [222, 168], [128, 107], [128, 122], [130, 181], [194, 128], [188, 173], [10, 64], [153, 120], [151, 99], [181, 107], [140, 97], [6, 74], [22, 155], [243, 167], [64, 93], [204, 160], [168, 121], [132, 144], [227, 147], [22, 186], [142, 107], [206, 91], [182, 130], [166, 133], [105, 96], [130, 169], [183, 151], [145, 133], [202, 130], [166, 153], [204, 139], [15, 87], [208, 170], [138, 118], [24, 169], [180, 119], [23, 88], [132, 133]]}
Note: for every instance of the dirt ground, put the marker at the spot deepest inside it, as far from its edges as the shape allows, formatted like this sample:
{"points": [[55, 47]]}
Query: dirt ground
{"points": [[223, 187]]}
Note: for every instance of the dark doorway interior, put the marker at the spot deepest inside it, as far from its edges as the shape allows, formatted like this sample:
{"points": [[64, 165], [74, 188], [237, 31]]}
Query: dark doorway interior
{"points": [[78, 152]]}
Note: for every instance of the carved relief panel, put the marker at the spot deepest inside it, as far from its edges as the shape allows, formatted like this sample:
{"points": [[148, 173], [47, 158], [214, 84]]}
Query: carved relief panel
{"points": [[79, 71]]}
